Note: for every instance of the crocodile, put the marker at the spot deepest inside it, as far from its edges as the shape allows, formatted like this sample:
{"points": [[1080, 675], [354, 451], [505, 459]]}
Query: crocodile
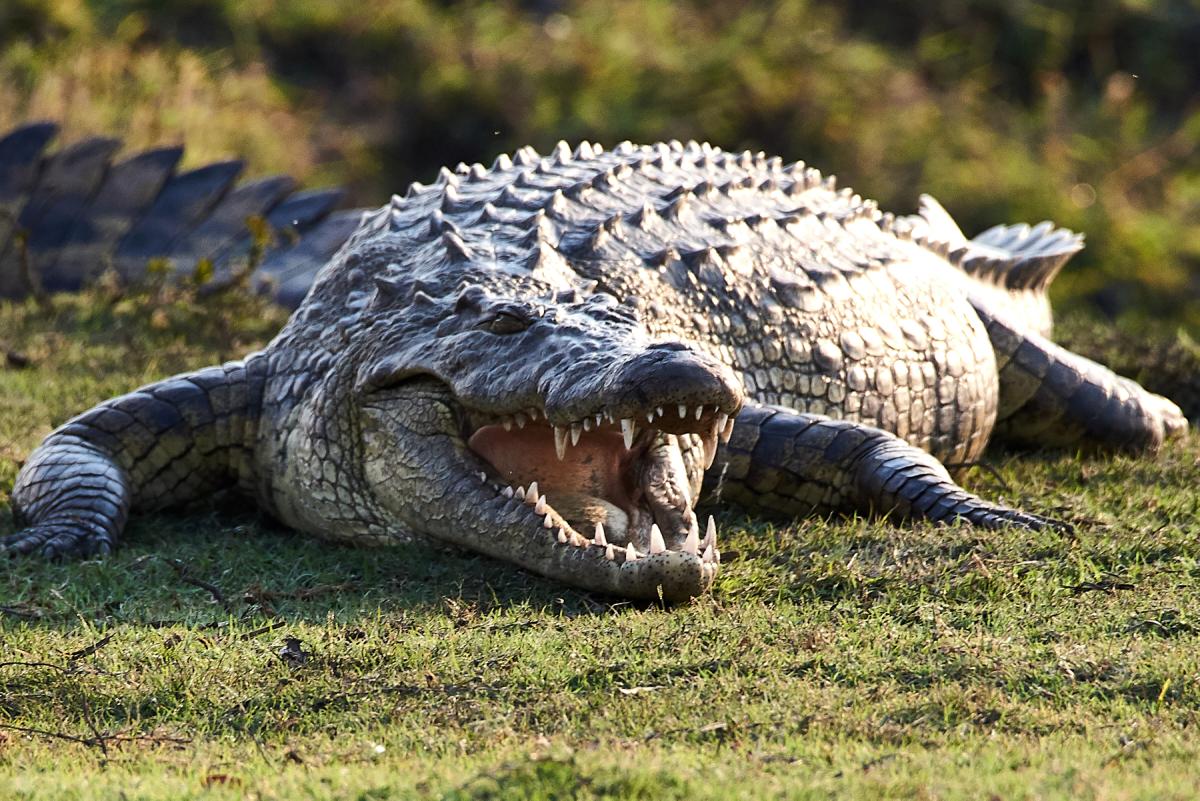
{"points": [[559, 359]]}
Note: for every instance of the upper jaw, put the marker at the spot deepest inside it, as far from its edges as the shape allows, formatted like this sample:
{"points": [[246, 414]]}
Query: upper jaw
{"points": [[710, 422]]}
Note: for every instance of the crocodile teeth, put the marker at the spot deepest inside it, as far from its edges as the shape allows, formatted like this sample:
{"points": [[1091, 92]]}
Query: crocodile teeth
{"points": [[507, 423], [576, 433], [599, 537], [657, 544], [659, 411], [507, 492], [560, 442], [587, 424], [699, 411], [682, 411], [577, 541], [710, 536], [610, 553], [562, 536], [482, 476], [547, 522], [710, 448], [727, 430], [600, 419], [709, 555], [520, 419], [650, 416], [691, 544], [628, 430], [520, 493], [531, 494], [540, 507], [630, 553]]}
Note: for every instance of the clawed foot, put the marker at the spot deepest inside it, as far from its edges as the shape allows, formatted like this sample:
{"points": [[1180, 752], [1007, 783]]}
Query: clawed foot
{"points": [[1173, 421], [960, 504], [57, 541], [992, 516]]}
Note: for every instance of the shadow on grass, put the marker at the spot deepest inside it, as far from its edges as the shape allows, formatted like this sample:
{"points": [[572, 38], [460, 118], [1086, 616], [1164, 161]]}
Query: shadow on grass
{"points": [[212, 566]]}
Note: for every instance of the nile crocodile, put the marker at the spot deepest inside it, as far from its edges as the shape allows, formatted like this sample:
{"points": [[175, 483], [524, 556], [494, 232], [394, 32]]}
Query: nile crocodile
{"points": [[553, 360]]}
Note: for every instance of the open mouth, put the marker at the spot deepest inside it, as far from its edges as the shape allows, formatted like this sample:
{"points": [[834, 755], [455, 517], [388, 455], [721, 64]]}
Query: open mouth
{"points": [[618, 485]]}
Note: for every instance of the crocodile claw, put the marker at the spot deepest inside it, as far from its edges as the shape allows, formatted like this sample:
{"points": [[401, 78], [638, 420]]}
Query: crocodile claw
{"points": [[53, 541]]}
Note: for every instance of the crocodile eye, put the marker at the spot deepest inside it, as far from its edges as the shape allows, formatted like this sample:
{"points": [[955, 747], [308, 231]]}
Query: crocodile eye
{"points": [[506, 323]]}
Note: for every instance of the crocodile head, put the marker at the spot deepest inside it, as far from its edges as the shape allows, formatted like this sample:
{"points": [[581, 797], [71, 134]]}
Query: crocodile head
{"points": [[549, 430]]}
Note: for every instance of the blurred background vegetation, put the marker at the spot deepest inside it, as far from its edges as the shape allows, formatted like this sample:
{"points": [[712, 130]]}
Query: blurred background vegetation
{"points": [[1086, 112]]}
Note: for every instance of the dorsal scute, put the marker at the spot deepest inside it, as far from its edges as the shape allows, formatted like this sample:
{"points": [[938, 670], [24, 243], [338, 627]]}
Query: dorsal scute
{"points": [[612, 209]]}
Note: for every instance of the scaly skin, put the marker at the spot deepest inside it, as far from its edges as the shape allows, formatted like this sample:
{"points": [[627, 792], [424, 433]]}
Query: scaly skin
{"points": [[592, 323]]}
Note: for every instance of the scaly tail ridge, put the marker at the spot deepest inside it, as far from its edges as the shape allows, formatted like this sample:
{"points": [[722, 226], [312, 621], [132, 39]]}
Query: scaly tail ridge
{"points": [[70, 215]]}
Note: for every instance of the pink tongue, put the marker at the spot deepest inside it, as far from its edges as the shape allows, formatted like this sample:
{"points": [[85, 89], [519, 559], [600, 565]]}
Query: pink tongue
{"points": [[593, 467]]}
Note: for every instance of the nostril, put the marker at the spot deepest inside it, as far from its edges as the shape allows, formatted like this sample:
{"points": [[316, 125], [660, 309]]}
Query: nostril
{"points": [[669, 346]]}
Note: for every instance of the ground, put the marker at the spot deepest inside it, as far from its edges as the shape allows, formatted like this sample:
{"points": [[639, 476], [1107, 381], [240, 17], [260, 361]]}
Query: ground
{"points": [[218, 655]]}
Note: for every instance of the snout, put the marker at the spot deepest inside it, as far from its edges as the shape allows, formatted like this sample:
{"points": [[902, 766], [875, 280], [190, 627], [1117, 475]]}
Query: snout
{"points": [[673, 375]]}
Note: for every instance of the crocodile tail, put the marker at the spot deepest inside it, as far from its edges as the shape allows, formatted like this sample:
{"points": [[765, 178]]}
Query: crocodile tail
{"points": [[71, 214], [1018, 258]]}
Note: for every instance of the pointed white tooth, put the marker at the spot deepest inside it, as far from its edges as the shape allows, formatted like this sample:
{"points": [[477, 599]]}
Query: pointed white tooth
{"points": [[560, 442], [599, 420], [710, 536], [650, 416], [609, 416], [710, 449], [708, 555], [599, 537], [691, 543], [578, 541], [520, 418], [520, 493], [682, 411], [547, 522], [610, 553], [531, 494], [722, 419], [507, 492], [657, 543], [587, 424], [576, 433], [659, 411], [533, 414], [628, 429], [727, 432], [630, 553], [540, 506], [699, 411], [482, 476], [562, 536], [507, 423]]}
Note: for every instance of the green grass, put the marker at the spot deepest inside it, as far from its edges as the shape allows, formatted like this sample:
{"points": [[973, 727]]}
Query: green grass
{"points": [[848, 659]]}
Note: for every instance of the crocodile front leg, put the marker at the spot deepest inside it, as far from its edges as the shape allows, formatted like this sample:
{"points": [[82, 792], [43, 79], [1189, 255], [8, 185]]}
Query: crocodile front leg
{"points": [[164, 444], [790, 464]]}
